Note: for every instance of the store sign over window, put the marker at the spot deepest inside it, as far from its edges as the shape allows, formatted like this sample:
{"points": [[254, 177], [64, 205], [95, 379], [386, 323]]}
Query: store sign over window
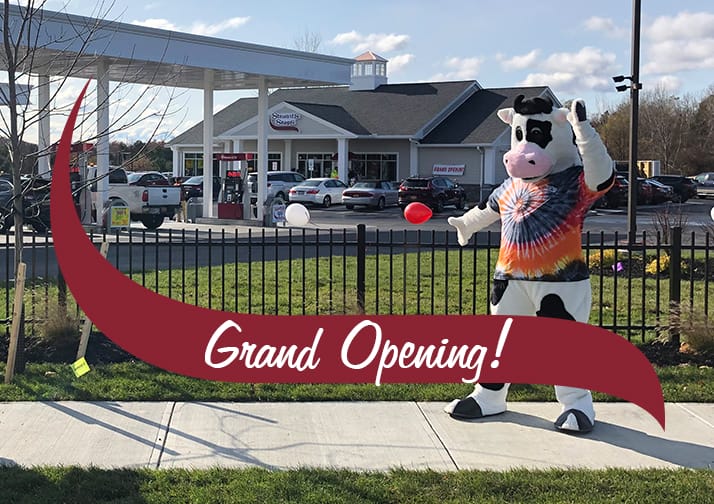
{"points": [[284, 121], [452, 170]]}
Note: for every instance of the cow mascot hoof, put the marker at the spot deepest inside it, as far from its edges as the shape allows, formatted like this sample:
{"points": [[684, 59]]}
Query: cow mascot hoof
{"points": [[558, 167]]}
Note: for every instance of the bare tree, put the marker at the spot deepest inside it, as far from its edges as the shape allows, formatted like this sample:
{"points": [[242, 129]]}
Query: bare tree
{"points": [[664, 123], [308, 41], [26, 56], [37, 54]]}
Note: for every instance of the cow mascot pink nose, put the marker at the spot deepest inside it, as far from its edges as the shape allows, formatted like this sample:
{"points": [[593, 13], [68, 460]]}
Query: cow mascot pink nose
{"points": [[557, 168], [527, 161]]}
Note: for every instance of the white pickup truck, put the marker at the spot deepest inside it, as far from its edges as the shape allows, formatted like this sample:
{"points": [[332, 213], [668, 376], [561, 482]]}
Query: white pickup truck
{"points": [[149, 203]]}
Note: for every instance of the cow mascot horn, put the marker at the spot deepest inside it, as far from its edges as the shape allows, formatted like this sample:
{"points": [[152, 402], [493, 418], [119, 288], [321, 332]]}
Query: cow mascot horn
{"points": [[558, 167]]}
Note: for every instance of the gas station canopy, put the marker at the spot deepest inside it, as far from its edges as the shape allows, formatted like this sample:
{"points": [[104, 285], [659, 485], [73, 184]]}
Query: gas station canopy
{"points": [[71, 45]]}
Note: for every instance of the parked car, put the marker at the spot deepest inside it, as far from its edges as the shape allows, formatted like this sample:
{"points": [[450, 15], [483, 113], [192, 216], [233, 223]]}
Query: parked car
{"points": [[279, 183], [371, 193], [146, 179], [645, 192], [436, 192], [616, 196], [35, 203], [705, 184], [684, 188], [193, 187], [318, 191], [150, 204], [661, 193]]}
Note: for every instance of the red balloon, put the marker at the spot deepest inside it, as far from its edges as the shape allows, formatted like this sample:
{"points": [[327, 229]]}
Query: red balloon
{"points": [[417, 213]]}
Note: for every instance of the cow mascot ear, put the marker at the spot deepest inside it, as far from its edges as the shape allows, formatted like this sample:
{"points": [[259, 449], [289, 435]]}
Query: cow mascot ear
{"points": [[506, 115]]}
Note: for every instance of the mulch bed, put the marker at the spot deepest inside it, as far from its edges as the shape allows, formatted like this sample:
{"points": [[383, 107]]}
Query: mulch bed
{"points": [[668, 354]]}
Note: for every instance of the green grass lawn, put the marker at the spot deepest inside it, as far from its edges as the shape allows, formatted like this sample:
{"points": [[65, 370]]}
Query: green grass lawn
{"points": [[420, 282], [137, 381], [78, 486]]}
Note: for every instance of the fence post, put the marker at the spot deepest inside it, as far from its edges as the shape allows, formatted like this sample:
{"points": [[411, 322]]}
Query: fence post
{"points": [[361, 265], [675, 286]]}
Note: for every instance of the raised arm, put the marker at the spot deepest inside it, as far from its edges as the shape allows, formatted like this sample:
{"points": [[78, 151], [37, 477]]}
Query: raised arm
{"points": [[597, 164]]}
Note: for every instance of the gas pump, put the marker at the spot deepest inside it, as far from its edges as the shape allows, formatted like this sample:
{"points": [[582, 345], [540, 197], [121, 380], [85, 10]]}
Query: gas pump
{"points": [[231, 207], [232, 187]]}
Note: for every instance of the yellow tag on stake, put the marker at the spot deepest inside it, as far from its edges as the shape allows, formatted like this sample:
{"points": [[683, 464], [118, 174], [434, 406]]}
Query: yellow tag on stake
{"points": [[80, 367]]}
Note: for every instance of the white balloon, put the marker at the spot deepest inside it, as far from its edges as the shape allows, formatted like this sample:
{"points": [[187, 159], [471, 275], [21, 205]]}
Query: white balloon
{"points": [[297, 215], [712, 213]]}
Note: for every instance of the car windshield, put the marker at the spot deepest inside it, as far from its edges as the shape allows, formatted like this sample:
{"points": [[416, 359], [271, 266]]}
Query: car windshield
{"points": [[416, 182], [198, 179], [133, 177], [311, 183], [365, 185]]}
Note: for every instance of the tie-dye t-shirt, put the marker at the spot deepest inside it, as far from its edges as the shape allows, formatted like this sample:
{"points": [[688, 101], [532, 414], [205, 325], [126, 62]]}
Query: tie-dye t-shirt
{"points": [[541, 226]]}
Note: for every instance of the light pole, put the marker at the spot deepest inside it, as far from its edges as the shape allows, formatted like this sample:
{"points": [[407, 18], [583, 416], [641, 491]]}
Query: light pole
{"points": [[634, 88]]}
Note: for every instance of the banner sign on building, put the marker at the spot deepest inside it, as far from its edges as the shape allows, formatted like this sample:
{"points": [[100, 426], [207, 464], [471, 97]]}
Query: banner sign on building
{"points": [[449, 170]]}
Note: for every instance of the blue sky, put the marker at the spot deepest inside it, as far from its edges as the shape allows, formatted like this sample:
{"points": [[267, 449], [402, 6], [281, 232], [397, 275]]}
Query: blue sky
{"points": [[573, 47]]}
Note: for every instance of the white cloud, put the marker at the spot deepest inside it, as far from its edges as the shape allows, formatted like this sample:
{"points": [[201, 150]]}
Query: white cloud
{"points": [[589, 69], [377, 42], [397, 63], [521, 62], [668, 83], [198, 28], [679, 43], [605, 25], [163, 24], [459, 69]]}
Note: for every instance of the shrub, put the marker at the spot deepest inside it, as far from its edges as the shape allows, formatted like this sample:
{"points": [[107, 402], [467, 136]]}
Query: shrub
{"points": [[658, 267], [57, 338], [696, 332], [605, 260]]}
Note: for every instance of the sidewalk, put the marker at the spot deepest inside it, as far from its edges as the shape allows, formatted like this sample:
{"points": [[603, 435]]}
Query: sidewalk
{"points": [[346, 435]]}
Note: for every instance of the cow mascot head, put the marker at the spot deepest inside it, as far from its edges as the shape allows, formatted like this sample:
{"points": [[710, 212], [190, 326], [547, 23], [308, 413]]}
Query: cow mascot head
{"points": [[558, 167]]}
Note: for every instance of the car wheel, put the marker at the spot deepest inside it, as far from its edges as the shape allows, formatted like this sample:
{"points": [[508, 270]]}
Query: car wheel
{"points": [[460, 203], [152, 221], [7, 220], [439, 205], [349, 207], [40, 226], [327, 202], [381, 204]]}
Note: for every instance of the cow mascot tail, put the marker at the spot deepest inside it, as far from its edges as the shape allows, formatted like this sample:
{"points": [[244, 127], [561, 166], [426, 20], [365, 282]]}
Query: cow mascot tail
{"points": [[557, 168]]}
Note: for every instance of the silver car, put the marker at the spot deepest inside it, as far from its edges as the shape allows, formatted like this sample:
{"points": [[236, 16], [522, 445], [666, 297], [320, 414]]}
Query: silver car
{"points": [[371, 193], [705, 184]]}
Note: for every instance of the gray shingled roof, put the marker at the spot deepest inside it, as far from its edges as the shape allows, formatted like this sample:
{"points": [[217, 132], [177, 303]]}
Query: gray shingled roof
{"points": [[475, 121], [333, 114], [389, 110]]}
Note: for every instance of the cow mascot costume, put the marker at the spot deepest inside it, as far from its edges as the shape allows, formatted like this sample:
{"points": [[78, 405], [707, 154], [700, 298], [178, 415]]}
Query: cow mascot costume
{"points": [[558, 167]]}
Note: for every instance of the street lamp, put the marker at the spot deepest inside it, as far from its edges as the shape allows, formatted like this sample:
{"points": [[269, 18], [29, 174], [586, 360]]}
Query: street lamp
{"points": [[634, 88]]}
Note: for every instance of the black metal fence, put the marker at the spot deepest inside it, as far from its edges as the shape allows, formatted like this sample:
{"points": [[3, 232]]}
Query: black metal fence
{"points": [[638, 289]]}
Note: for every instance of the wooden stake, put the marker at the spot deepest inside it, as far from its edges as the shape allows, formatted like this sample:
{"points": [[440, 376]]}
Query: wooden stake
{"points": [[87, 326], [16, 322]]}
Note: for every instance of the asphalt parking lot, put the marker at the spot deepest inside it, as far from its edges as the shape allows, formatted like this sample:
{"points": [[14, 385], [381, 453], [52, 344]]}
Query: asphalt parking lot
{"points": [[695, 214]]}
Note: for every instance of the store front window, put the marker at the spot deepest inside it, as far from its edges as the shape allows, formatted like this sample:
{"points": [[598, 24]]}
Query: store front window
{"points": [[315, 164], [274, 162], [193, 164], [374, 166]]}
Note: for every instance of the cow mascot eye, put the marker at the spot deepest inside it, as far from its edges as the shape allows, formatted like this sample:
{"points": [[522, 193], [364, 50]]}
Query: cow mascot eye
{"points": [[519, 134], [552, 182]]}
